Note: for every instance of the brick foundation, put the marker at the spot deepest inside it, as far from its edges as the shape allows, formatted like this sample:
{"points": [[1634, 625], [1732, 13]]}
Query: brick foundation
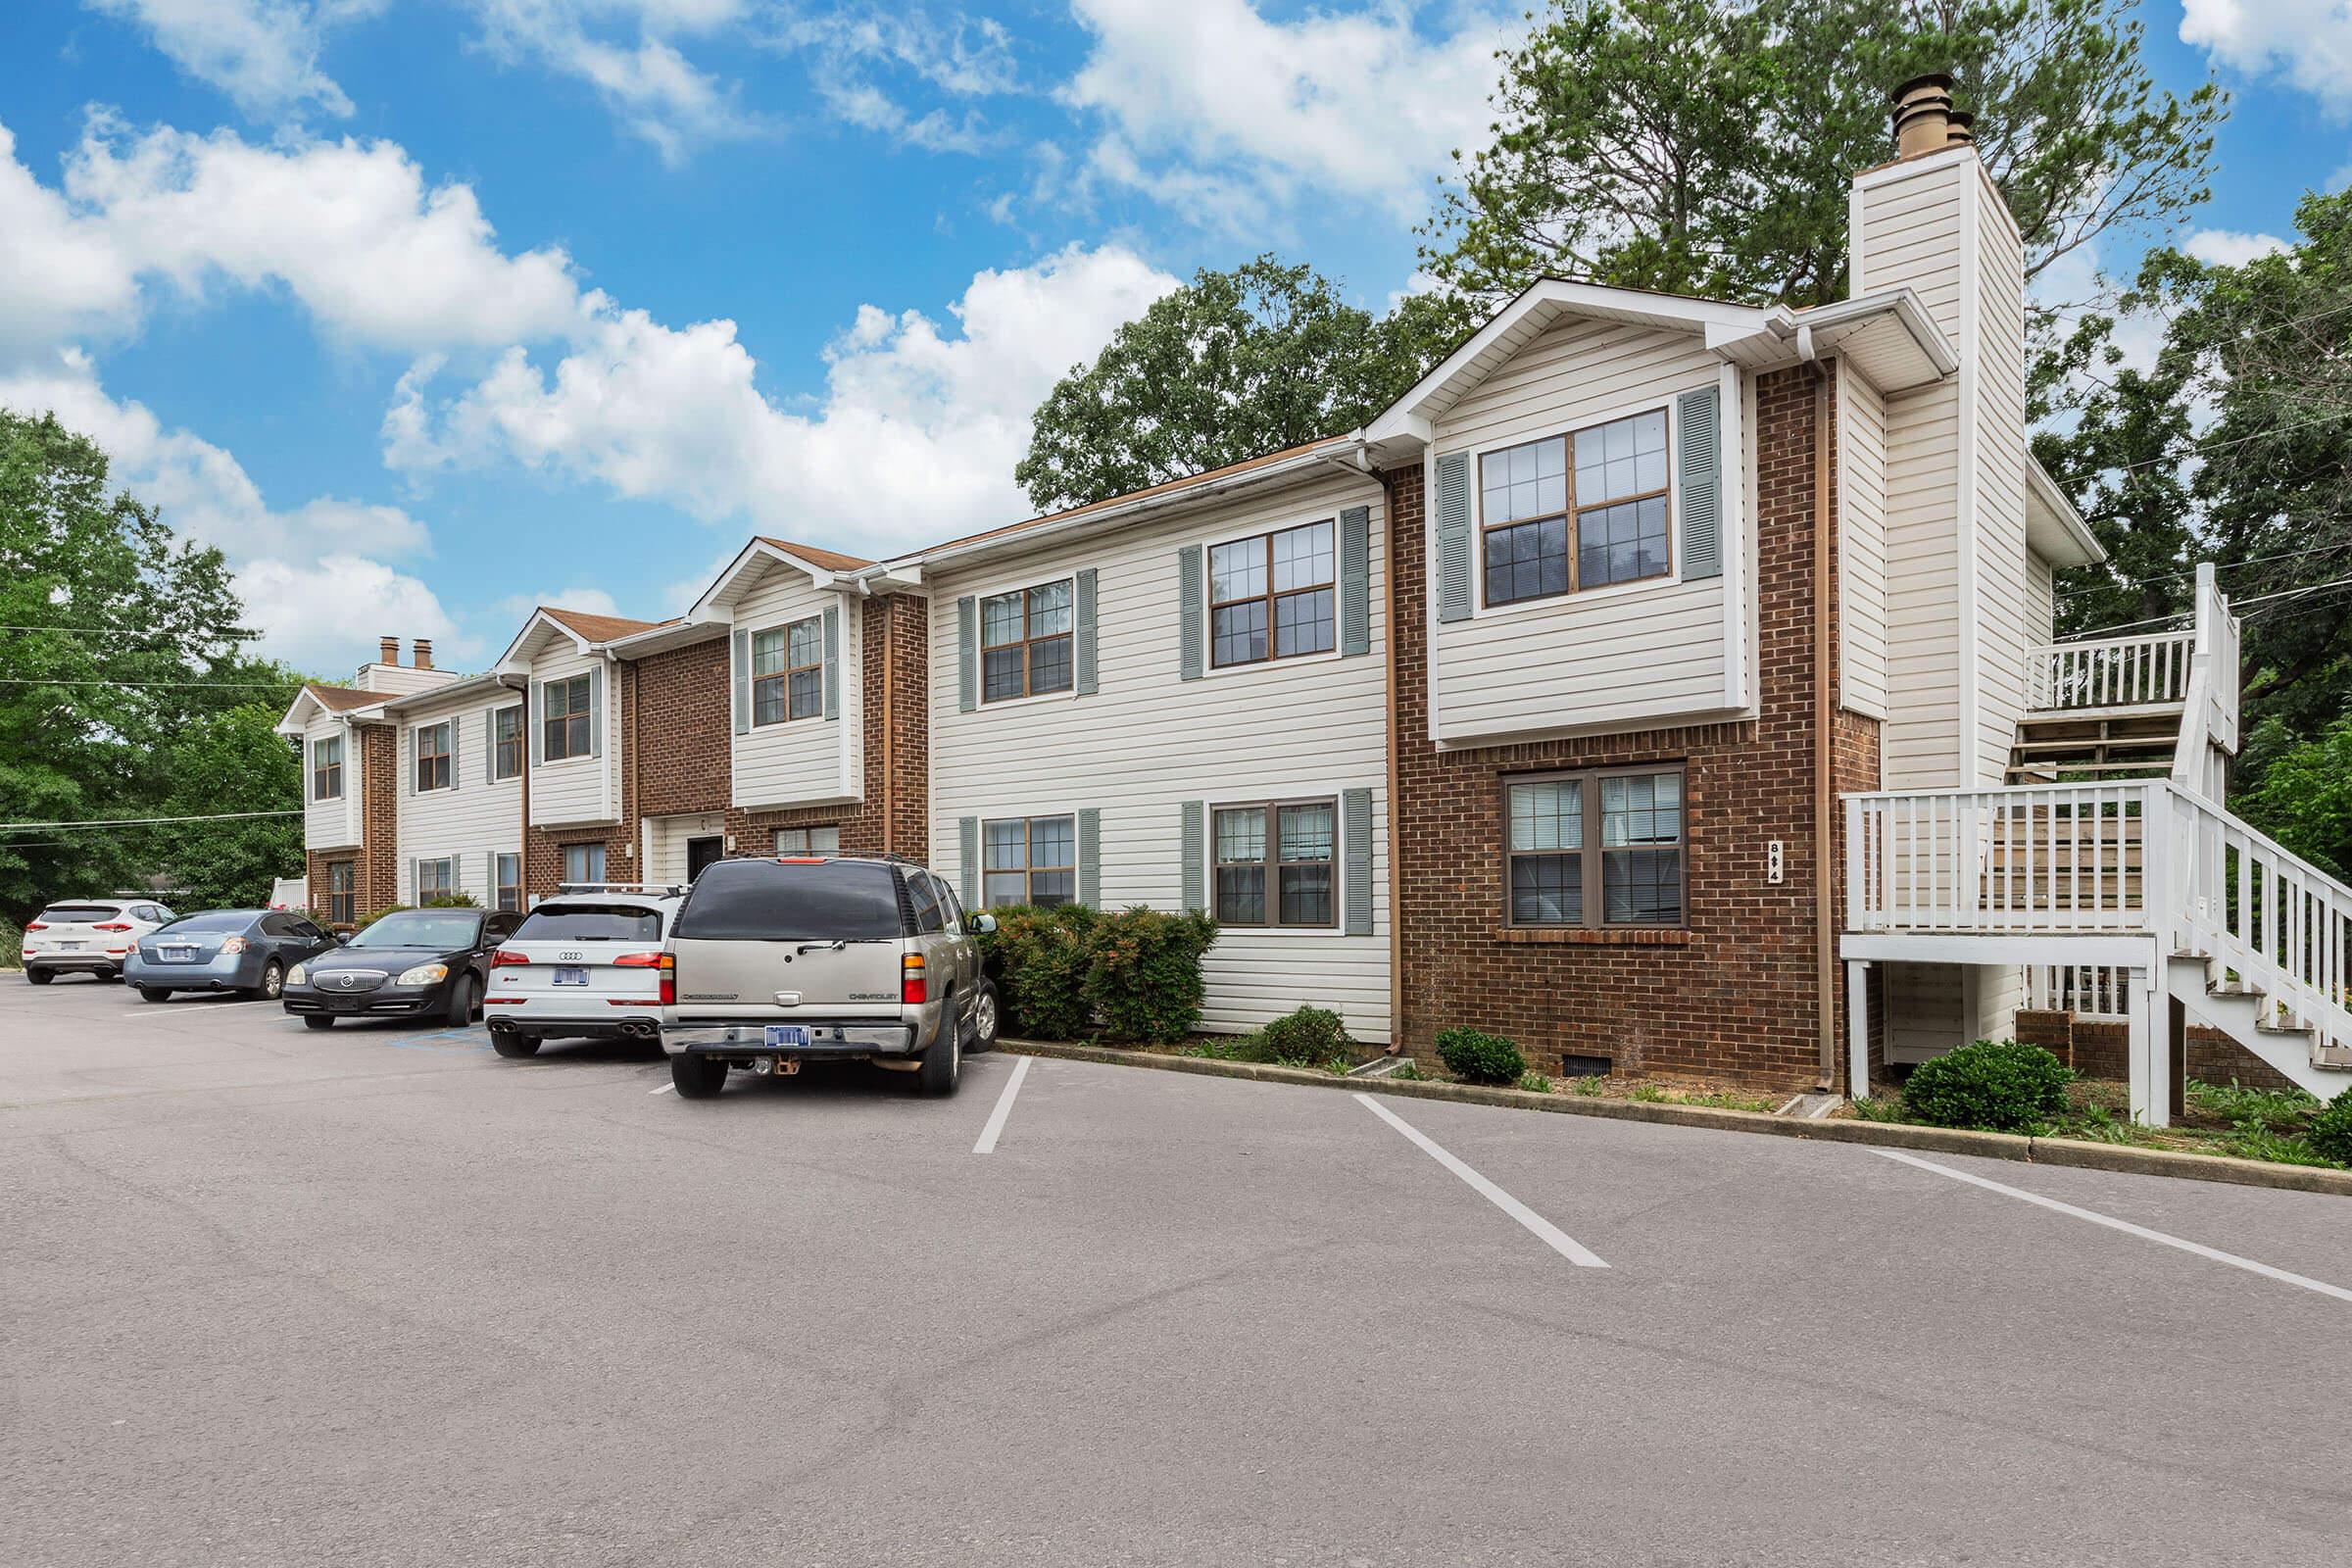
{"points": [[2100, 1047]]}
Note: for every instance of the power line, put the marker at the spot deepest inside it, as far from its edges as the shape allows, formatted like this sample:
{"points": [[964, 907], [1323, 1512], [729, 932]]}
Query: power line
{"points": [[2199, 448], [144, 821], [134, 685], [236, 634], [2183, 576]]}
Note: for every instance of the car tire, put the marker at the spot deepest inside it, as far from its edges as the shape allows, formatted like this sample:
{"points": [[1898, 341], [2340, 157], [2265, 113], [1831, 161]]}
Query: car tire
{"points": [[465, 1002], [37, 977], [697, 1077], [110, 976], [512, 1046], [317, 1020], [273, 982], [155, 993], [943, 1063], [985, 1021]]}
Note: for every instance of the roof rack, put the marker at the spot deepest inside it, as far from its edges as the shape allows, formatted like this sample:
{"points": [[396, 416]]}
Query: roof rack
{"points": [[665, 890]]}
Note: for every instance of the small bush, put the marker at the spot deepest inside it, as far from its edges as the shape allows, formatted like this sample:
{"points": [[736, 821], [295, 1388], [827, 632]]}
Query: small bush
{"points": [[453, 900], [2331, 1132], [1306, 1038], [12, 945], [2000, 1086], [1477, 1057], [1038, 959], [1145, 979], [1590, 1086], [1534, 1083], [1407, 1071]]}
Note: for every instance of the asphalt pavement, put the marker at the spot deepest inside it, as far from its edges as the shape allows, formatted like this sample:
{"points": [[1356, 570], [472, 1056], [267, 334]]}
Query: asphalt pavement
{"points": [[271, 1296]]}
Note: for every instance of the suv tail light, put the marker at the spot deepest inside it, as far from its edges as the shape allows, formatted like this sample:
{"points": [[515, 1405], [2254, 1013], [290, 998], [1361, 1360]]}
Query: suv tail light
{"points": [[668, 964], [915, 987], [36, 925], [638, 961], [502, 956], [111, 925]]}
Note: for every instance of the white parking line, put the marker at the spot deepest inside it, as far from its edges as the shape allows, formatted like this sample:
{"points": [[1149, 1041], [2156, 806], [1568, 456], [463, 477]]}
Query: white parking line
{"points": [[1544, 1231], [2126, 1226], [996, 1118], [663, 1090]]}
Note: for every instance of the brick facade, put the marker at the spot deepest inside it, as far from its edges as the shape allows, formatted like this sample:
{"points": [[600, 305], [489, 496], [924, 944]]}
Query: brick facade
{"points": [[1734, 995], [2100, 1047], [379, 876]]}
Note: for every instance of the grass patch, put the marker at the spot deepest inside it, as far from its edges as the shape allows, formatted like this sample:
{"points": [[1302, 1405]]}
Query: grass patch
{"points": [[1534, 1083], [2226, 1119]]}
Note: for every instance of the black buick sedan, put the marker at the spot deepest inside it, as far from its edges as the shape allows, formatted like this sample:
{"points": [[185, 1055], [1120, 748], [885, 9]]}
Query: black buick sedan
{"points": [[432, 963]]}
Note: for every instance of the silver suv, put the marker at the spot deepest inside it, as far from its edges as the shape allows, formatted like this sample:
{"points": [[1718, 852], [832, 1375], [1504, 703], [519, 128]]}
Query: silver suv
{"points": [[780, 961]]}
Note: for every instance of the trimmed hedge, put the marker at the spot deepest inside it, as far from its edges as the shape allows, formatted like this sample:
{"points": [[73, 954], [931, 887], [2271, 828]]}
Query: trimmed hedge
{"points": [[1477, 1058], [1307, 1038], [2330, 1130], [1070, 972], [1038, 959], [1998, 1086], [455, 901]]}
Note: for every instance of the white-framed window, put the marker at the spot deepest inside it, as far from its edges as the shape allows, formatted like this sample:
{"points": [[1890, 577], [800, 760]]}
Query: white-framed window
{"points": [[436, 879], [1027, 638], [809, 840], [506, 743], [1029, 860], [1273, 596], [583, 863], [508, 892], [788, 671], [1276, 864], [436, 757], [1587, 509], [326, 768]]}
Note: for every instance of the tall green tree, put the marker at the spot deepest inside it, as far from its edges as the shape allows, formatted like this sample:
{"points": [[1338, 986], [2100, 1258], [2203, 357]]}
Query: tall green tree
{"points": [[232, 755], [1707, 146], [1232, 366], [116, 635]]}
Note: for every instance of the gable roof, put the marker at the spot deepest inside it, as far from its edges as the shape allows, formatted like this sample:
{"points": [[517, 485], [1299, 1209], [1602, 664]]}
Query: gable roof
{"points": [[830, 560], [597, 628], [327, 700]]}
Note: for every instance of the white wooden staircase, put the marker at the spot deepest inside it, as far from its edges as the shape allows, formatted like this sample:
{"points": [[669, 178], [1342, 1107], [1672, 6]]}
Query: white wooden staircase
{"points": [[2108, 869]]}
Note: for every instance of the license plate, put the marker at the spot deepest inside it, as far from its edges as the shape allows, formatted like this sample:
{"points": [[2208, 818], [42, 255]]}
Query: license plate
{"points": [[787, 1035], [178, 955], [71, 947], [571, 977]]}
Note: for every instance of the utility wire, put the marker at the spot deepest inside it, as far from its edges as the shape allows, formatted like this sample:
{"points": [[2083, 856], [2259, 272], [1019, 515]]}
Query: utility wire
{"points": [[236, 634], [2183, 576], [2199, 448], [144, 821], [178, 685]]}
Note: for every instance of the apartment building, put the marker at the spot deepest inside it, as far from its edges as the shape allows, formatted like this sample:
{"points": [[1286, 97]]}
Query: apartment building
{"points": [[1572, 697]]}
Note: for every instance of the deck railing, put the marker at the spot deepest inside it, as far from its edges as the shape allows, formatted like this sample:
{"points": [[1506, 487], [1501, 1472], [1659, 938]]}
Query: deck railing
{"points": [[2028, 859], [2140, 672], [2086, 990]]}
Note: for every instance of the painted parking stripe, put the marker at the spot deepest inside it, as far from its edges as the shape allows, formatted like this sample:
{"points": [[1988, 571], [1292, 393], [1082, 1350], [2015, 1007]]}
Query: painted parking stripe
{"points": [[2126, 1226], [996, 1118], [663, 1090], [1544, 1231]]}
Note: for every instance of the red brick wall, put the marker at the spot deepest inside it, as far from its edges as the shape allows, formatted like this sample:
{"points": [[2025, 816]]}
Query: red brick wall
{"points": [[2100, 1047], [380, 818], [1732, 997]]}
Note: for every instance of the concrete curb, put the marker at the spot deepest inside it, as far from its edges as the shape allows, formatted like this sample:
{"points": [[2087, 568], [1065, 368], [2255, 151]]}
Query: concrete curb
{"points": [[1875, 1134]]}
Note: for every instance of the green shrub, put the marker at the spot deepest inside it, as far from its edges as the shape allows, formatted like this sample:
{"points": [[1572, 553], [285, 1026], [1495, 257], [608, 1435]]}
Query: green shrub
{"points": [[12, 945], [453, 900], [1407, 1071], [1477, 1057], [1997, 1085], [1534, 1083], [1038, 959], [1307, 1038], [1143, 978], [2331, 1132]]}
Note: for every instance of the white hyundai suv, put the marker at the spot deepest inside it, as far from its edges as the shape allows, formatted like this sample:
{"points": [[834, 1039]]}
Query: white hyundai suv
{"points": [[88, 936], [587, 964]]}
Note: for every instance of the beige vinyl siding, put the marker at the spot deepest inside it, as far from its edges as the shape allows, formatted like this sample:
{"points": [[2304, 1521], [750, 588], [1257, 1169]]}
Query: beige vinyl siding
{"points": [[578, 789], [402, 680], [1148, 741], [1612, 657], [473, 821], [2041, 601], [332, 824], [1862, 543], [2003, 601], [665, 843], [802, 762]]}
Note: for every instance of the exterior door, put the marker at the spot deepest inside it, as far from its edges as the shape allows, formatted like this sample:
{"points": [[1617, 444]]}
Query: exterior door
{"points": [[702, 853]]}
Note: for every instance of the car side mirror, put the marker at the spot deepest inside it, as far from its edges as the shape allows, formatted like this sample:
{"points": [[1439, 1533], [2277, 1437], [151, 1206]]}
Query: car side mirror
{"points": [[983, 924]]}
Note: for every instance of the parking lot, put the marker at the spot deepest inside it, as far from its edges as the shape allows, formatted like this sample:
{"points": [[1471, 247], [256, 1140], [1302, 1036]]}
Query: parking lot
{"points": [[375, 1295]]}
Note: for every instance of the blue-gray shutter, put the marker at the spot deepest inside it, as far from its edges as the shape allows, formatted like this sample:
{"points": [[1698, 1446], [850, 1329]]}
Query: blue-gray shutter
{"points": [[832, 660], [967, 653], [1355, 580], [969, 831], [415, 881], [1356, 828], [596, 710], [457, 753], [1083, 655], [1090, 857], [405, 754], [1195, 854], [490, 879], [489, 744], [1698, 452], [1454, 536], [1191, 605], [534, 707], [743, 682]]}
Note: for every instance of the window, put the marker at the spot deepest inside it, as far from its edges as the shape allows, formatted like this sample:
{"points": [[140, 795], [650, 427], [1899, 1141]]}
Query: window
{"points": [[1278, 878], [497, 925], [923, 898], [759, 900], [583, 863], [326, 768], [571, 921], [1270, 596], [1025, 642], [788, 671], [1553, 875], [1029, 860], [510, 882], [433, 759], [808, 841], [1550, 531], [341, 900], [506, 743], [564, 722], [436, 879]]}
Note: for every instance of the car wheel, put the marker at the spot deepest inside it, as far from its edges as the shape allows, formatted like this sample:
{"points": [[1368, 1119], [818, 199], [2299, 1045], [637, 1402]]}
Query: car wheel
{"points": [[317, 1020], [110, 976], [465, 1000], [943, 1063], [155, 993], [513, 1046], [984, 1020], [39, 977], [697, 1077], [273, 982]]}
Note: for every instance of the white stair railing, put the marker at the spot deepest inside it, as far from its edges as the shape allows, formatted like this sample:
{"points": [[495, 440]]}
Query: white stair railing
{"points": [[2086, 990], [2024, 858], [2142, 672], [2208, 735]]}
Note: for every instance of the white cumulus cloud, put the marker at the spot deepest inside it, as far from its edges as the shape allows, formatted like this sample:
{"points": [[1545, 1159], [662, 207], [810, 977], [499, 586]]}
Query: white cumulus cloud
{"points": [[263, 53], [2308, 42], [2222, 247]]}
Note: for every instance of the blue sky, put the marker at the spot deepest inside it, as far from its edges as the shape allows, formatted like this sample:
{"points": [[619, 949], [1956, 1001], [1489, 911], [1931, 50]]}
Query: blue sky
{"points": [[427, 310]]}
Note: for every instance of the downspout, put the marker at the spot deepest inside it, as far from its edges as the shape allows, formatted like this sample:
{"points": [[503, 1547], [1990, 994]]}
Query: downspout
{"points": [[522, 855], [632, 810], [890, 716], [1825, 951], [1387, 500]]}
